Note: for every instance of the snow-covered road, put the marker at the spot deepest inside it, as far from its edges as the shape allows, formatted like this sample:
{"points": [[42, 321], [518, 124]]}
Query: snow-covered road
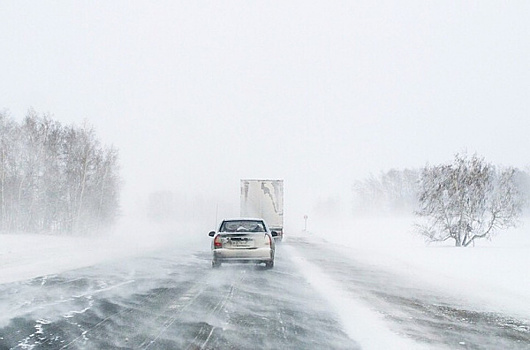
{"points": [[384, 309], [170, 301], [316, 297]]}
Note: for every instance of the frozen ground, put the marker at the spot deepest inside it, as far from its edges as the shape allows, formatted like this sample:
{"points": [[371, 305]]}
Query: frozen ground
{"points": [[25, 256], [492, 272], [492, 275], [488, 278]]}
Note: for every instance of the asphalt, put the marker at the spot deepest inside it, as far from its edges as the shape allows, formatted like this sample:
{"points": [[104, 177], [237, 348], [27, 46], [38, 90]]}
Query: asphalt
{"points": [[169, 300]]}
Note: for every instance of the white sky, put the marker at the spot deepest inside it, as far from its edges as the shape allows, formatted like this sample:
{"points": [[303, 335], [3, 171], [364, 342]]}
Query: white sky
{"points": [[199, 94]]}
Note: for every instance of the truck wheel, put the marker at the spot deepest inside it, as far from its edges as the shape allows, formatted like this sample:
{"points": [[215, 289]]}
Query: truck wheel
{"points": [[269, 264]]}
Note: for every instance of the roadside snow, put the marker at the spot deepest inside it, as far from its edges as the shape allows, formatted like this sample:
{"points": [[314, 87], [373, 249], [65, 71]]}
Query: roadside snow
{"points": [[492, 276], [26, 256], [359, 321]]}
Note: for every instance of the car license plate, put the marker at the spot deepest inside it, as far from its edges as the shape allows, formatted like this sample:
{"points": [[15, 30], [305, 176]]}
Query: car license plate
{"points": [[244, 243]]}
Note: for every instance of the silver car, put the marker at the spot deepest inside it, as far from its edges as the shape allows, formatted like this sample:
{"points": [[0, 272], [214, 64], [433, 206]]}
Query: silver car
{"points": [[243, 240]]}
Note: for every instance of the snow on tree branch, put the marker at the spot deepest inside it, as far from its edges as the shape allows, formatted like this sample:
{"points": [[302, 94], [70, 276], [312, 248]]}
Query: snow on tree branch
{"points": [[467, 200], [55, 178]]}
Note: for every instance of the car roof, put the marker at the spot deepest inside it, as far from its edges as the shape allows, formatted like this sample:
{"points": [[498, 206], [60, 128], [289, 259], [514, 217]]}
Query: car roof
{"points": [[243, 219]]}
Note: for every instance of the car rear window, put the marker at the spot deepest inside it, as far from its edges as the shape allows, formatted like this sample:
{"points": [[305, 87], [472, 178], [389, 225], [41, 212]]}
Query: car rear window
{"points": [[242, 226]]}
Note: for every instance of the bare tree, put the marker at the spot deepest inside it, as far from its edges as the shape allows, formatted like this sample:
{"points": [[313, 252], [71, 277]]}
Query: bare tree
{"points": [[9, 154], [55, 178], [394, 191], [467, 200]]}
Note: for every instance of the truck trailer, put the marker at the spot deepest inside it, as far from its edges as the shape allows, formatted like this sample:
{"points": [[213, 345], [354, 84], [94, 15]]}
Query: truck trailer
{"points": [[263, 199]]}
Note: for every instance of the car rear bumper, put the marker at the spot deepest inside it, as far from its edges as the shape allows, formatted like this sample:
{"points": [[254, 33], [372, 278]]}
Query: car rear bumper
{"points": [[243, 255]]}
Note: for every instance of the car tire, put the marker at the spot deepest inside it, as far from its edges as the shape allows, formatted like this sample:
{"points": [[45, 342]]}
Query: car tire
{"points": [[269, 264], [216, 264]]}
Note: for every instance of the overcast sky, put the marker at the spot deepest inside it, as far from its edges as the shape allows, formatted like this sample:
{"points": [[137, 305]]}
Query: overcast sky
{"points": [[199, 94]]}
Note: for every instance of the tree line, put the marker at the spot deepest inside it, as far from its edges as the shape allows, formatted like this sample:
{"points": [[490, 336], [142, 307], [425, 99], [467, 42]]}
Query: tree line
{"points": [[393, 191], [461, 201], [55, 178]]}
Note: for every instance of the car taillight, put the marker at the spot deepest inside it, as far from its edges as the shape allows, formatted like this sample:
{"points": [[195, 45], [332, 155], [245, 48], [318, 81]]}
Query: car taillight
{"points": [[268, 240], [217, 242]]}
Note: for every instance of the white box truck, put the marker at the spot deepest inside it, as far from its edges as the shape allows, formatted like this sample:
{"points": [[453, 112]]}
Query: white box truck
{"points": [[263, 199]]}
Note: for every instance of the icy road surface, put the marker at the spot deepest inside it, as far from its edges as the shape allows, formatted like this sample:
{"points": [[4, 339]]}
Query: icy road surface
{"points": [[314, 298]]}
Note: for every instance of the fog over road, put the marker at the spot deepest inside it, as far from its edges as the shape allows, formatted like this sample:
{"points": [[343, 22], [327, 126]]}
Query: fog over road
{"points": [[175, 300]]}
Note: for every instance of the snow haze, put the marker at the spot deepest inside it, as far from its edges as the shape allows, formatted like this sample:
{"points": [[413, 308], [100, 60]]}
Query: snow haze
{"points": [[383, 244], [197, 95]]}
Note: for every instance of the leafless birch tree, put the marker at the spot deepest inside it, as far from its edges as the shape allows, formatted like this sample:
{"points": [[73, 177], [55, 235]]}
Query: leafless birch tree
{"points": [[55, 178]]}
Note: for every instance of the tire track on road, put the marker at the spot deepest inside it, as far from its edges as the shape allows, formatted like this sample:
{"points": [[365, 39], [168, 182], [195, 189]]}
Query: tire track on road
{"points": [[193, 303]]}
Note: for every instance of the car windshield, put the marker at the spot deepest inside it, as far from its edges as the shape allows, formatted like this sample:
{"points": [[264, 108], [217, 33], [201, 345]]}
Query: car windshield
{"points": [[243, 226]]}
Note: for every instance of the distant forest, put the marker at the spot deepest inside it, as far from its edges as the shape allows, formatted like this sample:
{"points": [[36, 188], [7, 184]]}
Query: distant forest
{"points": [[397, 192], [55, 178]]}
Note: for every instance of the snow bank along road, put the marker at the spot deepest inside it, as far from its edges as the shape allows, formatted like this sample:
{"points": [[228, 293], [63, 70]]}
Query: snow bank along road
{"points": [[314, 298]]}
